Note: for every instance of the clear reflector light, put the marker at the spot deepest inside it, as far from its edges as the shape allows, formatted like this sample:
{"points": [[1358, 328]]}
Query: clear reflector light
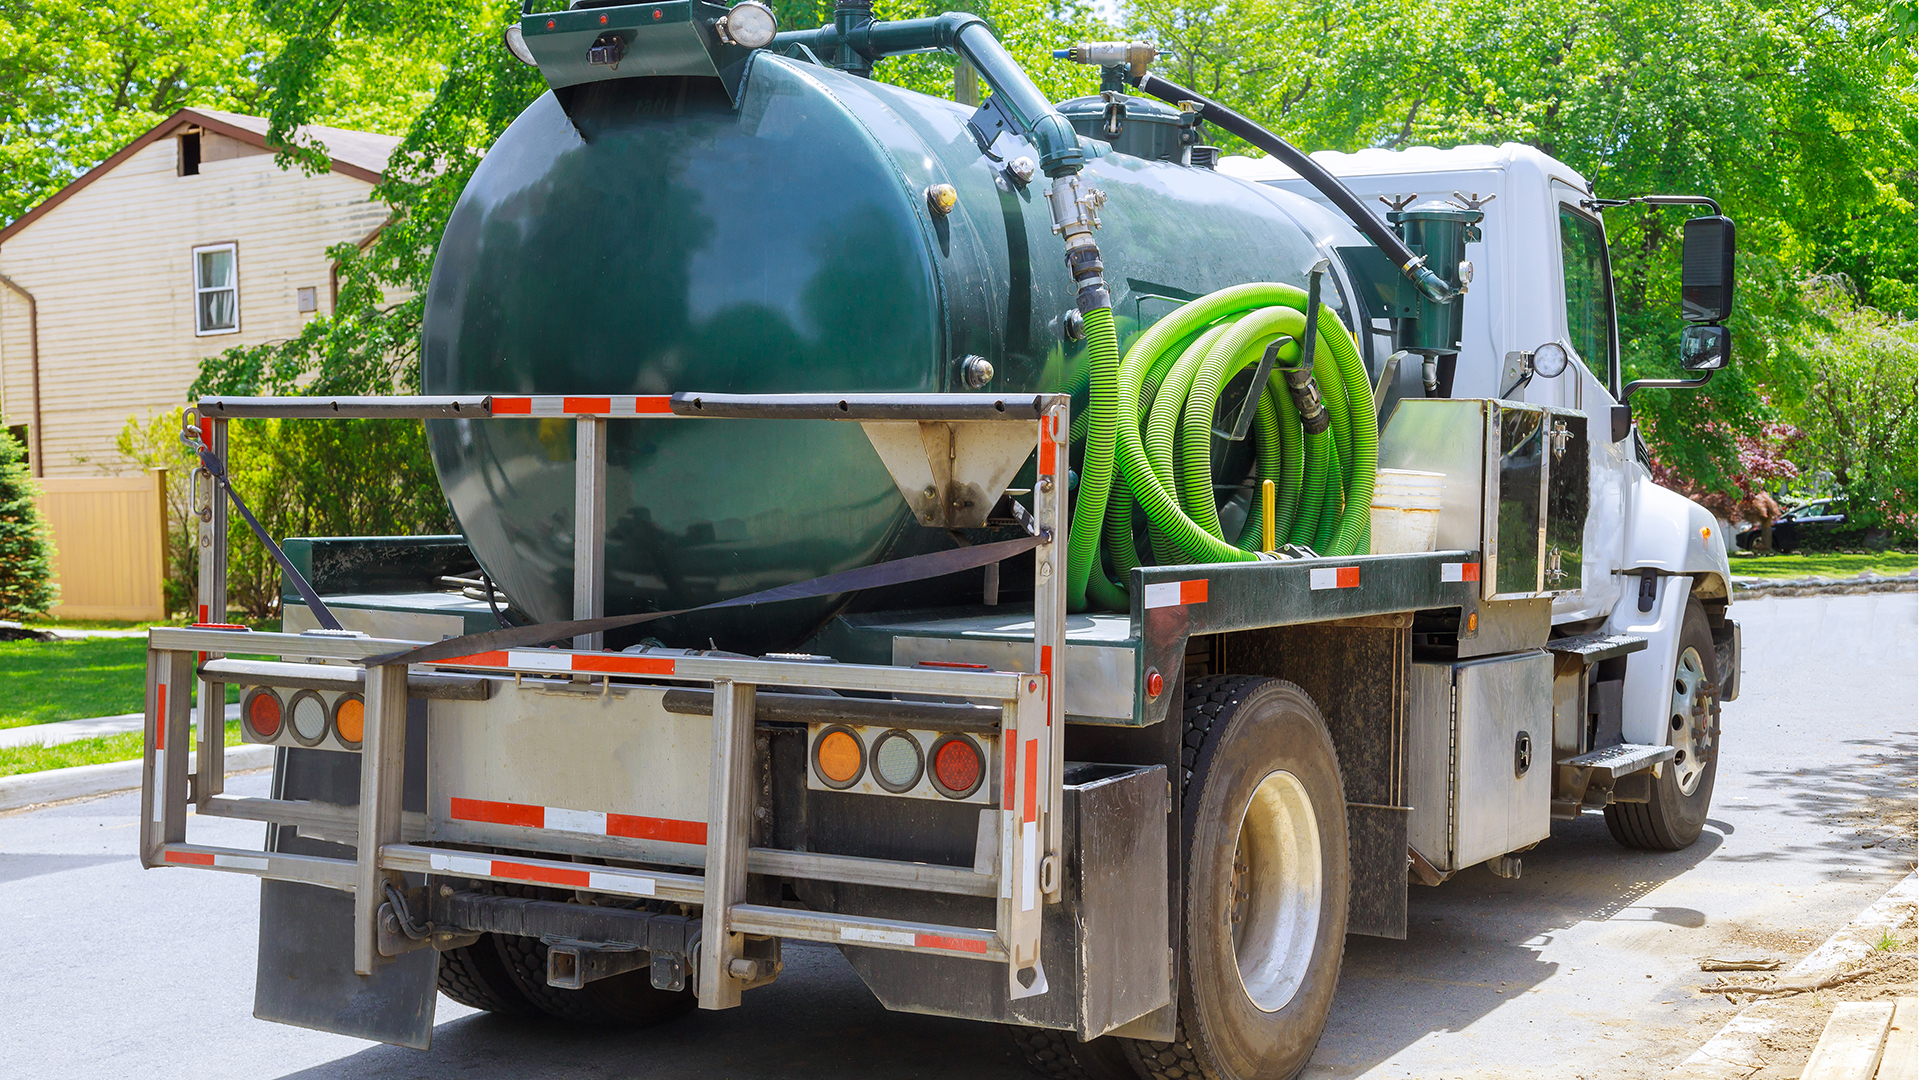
{"points": [[896, 761], [309, 718]]}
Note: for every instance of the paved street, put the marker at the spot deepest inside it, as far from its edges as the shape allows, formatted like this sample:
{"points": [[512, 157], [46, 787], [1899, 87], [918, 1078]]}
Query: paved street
{"points": [[1583, 968]]}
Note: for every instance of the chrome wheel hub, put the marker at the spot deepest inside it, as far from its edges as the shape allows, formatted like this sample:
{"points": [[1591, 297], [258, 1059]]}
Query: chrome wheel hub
{"points": [[1690, 721], [1273, 904]]}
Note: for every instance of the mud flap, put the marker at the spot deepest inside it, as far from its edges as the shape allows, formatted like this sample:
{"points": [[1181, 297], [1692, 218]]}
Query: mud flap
{"points": [[305, 976], [306, 973]]}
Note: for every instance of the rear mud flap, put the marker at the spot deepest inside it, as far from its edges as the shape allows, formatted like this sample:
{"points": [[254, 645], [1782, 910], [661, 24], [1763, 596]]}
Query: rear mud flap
{"points": [[306, 971], [305, 976]]}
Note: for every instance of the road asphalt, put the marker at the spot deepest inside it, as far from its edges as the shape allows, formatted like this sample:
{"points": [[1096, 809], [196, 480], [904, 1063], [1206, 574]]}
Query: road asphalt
{"points": [[1584, 967]]}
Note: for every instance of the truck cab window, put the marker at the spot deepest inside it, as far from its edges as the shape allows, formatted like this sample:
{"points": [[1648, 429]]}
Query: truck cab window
{"points": [[1589, 288]]}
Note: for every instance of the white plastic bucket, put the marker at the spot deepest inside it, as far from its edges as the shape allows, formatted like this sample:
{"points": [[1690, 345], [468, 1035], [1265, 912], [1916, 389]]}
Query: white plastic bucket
{"points": [[1406, 511]]}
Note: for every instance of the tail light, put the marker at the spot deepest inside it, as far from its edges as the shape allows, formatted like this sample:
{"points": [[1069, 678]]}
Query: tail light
{"points": [[262, 711], [350, 719], [307, 715], [959, 766], [896, 761], [838, 757]]}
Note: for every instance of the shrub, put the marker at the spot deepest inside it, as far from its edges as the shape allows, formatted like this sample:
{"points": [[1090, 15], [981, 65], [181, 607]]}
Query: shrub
{"points": [[26, 545]]}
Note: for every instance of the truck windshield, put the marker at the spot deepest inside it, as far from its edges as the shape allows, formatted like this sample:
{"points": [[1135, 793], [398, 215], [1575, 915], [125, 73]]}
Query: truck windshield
{"points": [[1589, 287]]}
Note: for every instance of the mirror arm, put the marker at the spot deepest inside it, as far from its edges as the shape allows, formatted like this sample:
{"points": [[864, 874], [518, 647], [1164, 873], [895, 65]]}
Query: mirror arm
{"points": [[1654, 200], [1662, 384]]}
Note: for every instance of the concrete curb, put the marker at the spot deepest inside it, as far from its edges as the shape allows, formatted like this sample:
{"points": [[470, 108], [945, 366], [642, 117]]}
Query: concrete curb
{"points": [[82, 781], [1753, 588], [1734, 1053]]}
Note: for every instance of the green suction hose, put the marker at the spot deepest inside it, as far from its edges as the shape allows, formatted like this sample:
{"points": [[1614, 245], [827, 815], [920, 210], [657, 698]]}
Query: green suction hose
{"points": [[1151, 416]]}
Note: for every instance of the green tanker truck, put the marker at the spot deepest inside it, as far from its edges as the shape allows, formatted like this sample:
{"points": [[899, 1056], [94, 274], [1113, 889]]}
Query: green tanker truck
{"points": [[1080, 576]]}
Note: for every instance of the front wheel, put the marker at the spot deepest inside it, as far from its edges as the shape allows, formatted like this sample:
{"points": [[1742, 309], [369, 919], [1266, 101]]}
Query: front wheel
{"points": [[1682, 792], [1265, 908]]}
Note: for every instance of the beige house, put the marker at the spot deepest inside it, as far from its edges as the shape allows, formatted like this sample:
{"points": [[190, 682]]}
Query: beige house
{"points": [[187, 242]]}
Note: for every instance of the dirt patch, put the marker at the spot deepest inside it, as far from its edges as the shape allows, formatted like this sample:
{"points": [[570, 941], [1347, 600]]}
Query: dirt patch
{"points": [[1888, 972], [1884, 823]]}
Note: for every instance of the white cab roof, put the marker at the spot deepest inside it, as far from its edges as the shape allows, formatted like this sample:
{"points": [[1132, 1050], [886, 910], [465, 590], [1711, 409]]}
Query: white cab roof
{"points": [[1417, 159]]}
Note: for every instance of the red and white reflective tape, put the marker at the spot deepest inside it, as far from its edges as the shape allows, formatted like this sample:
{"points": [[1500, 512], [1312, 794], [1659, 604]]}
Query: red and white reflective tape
{"points": [[590, 822], [219, 859], [571, 877], [1333, 577], [1459, 571], [558, 405], [1176, 593], [912, 940], [557, 660]]}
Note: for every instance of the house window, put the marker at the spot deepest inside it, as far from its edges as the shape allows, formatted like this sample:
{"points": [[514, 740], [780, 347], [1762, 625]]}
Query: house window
{"points": [[190, 154], [216, 289]]}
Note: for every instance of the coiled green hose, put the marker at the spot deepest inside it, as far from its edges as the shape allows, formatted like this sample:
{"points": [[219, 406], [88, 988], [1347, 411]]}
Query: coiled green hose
{"points": [[1161, 442]]}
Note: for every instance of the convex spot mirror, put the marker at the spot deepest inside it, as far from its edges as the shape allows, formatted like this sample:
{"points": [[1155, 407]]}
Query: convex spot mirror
{"points": [[1705, 348], [1706, 270]]}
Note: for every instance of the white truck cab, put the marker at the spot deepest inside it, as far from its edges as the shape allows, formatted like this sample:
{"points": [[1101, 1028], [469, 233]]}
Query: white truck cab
{"points": [[1541, 276]]}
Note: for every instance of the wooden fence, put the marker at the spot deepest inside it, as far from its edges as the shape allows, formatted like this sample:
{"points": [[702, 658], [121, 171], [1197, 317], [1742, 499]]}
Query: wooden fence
{"points": [[110, 540]]}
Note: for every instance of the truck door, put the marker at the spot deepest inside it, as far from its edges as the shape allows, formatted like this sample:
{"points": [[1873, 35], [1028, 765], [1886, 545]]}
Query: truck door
{"points": [[1589, 385]]}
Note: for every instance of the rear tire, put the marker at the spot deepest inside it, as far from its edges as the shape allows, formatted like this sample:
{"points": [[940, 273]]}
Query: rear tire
{"points": [[1061, 1055], [1264, 915], [1684, 789], [475, 976]]}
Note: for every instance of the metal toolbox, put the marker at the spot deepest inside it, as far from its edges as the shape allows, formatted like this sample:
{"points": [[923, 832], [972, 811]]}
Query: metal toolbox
{"points": [[1516, 487], [1480, 757]]}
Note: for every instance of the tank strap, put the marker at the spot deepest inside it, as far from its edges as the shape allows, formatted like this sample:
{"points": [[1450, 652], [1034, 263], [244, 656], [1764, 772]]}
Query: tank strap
{"points": [[896, 572]]}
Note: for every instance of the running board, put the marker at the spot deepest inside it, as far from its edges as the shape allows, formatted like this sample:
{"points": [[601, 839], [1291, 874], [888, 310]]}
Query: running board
{"points": [[1624, 759]]}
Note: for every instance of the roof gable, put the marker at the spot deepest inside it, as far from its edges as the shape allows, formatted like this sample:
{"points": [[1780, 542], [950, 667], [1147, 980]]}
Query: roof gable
{"points": [[360, 154]]}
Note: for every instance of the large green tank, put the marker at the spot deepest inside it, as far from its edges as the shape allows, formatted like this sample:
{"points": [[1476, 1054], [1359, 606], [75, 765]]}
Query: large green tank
{"points": [[648, 235]]}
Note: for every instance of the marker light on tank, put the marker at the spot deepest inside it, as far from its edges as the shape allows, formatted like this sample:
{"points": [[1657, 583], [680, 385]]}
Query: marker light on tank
{"points": [[750, 23]]}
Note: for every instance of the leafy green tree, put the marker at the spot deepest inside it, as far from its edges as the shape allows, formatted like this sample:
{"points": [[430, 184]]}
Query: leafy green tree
{"points": [[79, 80], [1860, 412], [26, 545]]}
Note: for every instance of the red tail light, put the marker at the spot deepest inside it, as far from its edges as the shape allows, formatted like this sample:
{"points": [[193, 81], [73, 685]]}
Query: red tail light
{"points": [[262, 710], [958, 766]]}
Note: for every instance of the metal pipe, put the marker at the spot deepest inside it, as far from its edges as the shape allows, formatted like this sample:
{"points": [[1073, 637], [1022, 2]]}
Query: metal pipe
{"points": [[346, 408], [33, 337]]}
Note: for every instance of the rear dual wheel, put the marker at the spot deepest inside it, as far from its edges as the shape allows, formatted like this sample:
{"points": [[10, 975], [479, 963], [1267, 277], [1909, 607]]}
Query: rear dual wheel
{"points": [[1264, 911]]}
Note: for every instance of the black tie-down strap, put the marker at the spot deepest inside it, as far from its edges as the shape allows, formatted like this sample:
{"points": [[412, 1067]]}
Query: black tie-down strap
{"points": [[314, 603], [897, 572]]}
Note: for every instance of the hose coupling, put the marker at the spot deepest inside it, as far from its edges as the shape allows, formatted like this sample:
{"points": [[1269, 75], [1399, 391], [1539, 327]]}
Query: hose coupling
{"points": [[1136, 55], [1076, 209], [1306, 398]]}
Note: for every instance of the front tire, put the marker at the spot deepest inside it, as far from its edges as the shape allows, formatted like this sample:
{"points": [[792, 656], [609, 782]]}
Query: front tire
{"points": [[1265, 907], [1683, 791]]}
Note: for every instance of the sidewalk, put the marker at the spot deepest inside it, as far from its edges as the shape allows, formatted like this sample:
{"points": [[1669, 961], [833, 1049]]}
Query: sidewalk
{"points": [[65, 731]]}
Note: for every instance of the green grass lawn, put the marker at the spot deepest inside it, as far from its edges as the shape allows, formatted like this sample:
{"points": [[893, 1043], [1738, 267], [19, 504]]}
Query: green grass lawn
{"points": [[73, 680], [15, 760], [1824, 565]]}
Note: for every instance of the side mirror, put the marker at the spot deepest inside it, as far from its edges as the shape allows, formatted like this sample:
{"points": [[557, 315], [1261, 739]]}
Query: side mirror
{"points": [[1706, 270], [1705, 348]]}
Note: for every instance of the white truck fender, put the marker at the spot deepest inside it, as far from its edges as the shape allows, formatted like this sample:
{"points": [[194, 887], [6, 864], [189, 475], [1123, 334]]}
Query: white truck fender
{"points": [[1677, 537]]}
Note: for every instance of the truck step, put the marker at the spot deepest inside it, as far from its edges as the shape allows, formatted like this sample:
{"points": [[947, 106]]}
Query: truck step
{"points": [[1593, 648], [1615, 762]]}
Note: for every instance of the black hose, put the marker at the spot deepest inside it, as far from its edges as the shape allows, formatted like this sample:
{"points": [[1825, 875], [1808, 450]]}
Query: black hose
{"points": [[1329, 185]]}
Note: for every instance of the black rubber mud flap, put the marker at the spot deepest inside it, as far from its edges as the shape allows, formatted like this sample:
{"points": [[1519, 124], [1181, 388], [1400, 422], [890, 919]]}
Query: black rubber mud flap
{"points": [[305, 976], [306, 973]]}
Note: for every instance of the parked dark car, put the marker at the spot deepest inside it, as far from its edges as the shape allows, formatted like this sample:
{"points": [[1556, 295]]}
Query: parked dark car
{"points": [[1800, 525]]}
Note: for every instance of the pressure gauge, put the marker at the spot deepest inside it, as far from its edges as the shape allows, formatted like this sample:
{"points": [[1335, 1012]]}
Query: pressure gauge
{"points": [[517, 45], [1550, 360], [749, 23]]}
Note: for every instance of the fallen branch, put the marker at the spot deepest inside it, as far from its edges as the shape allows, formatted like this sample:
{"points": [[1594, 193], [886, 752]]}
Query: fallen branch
{"points": [[1796, 987]]}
